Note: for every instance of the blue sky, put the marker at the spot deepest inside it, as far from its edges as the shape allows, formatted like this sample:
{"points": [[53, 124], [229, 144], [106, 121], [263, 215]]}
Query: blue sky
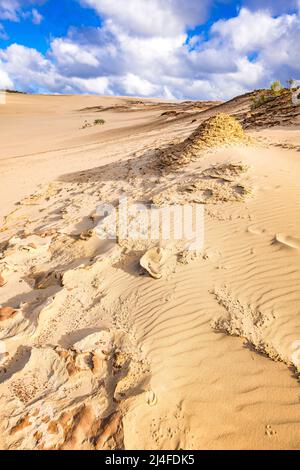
{"points": [[195, 49], [58, 17]]}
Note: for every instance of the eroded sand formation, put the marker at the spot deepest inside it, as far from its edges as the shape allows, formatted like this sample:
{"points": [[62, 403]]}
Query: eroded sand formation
{"points": [[276, 111]]}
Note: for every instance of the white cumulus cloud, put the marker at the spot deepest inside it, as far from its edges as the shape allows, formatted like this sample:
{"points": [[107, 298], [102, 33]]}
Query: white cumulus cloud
{"points": [[144, 49], [152, 17], [37, 18], [15, 10]]}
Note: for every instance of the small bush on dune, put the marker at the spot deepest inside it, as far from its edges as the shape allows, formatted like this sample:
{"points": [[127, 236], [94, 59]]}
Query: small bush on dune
{"points": [[99, 122], [259, 100], [276, 87]]}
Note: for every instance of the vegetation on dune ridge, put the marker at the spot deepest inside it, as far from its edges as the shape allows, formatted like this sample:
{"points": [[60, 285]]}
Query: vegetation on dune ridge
{"points": [[98, 122], [276, 89]]}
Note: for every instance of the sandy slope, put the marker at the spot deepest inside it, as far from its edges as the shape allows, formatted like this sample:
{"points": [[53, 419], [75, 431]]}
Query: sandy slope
{"points": [[99, 354], [42, 136]]}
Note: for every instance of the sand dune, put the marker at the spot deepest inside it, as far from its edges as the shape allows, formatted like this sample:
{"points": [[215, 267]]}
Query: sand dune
{"points": [[142, 344]]}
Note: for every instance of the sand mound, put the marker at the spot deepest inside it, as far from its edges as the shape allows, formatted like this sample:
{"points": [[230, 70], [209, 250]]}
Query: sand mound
{"points": [[218, 131]]}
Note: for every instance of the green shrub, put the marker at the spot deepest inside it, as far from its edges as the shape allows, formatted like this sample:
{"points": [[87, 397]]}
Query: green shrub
{"points": [[260, 100], [276, 87], [99, 122]]}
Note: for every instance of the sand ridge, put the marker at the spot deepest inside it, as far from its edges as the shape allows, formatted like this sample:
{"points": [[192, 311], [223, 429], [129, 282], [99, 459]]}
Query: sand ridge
{"points": [[138, 344]]}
